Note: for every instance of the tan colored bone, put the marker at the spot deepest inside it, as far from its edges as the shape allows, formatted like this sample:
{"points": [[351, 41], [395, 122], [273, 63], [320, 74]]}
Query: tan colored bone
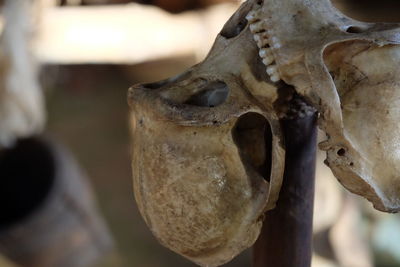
{"points": [[200, 187], [197, 164], [358, 106], [368, 79]]}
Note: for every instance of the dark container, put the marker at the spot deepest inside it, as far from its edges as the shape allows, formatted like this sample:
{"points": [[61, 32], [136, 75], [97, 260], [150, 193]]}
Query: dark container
{"points": [[48, 217]]}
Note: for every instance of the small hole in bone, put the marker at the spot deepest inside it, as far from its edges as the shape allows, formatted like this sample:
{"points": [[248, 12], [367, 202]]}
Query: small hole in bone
{"points": [[341, 152], [253, 136], [354, 29], [214, 94]]}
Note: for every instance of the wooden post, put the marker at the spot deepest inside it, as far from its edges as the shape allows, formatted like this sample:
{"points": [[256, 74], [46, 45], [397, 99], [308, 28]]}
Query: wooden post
{"points": [[286, 237]]}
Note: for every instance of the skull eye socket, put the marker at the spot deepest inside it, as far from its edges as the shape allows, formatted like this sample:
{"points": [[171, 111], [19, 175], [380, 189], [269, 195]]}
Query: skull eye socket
{"points": [[253, 136], [214, 94]]}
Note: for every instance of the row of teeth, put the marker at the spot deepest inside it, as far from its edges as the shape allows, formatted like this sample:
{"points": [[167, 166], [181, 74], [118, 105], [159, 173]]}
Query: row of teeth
{"points": [[260, 35]]}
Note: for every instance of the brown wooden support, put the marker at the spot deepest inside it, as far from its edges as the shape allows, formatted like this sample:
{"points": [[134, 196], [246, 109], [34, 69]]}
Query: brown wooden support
{"points": [[286, 237]]}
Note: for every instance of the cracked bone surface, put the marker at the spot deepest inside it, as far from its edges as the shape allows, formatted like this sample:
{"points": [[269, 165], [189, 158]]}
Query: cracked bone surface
{"points": [[208, 154], [348, 70], [208, 158]]}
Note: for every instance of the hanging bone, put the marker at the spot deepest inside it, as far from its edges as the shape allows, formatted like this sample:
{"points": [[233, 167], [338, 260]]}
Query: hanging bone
{"points": [[22, 111], [208, 154], [349, 71], [200, 186]]}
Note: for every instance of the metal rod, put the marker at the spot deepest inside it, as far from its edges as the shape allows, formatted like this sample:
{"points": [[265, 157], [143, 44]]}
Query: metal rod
{"points": [[286, 237]]}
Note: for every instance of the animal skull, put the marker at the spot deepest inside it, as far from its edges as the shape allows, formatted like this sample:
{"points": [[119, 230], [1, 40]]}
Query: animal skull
{"points": [[208, 154], [208, 157], [348, 70]]}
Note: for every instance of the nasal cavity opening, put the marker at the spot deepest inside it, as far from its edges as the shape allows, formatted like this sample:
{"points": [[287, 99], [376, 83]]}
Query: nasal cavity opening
{"points": [[253, 136], [213, 94], [27, 176], [156, 85], [166, 82]]}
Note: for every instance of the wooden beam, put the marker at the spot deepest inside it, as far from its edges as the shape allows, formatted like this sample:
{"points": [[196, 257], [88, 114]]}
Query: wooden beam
{"points": [[125, 34]]}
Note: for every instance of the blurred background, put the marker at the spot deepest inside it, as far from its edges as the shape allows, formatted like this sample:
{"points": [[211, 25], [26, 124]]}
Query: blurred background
{"points": [[91, 51]]}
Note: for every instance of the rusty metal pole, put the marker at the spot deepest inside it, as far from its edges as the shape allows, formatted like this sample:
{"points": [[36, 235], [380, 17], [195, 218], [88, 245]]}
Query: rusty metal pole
{"points": [[286, 237]]}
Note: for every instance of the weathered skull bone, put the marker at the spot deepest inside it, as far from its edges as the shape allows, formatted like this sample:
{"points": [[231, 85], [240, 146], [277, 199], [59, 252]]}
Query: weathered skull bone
{"points": [[202, 166], [349, 71], [203, 174]]}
